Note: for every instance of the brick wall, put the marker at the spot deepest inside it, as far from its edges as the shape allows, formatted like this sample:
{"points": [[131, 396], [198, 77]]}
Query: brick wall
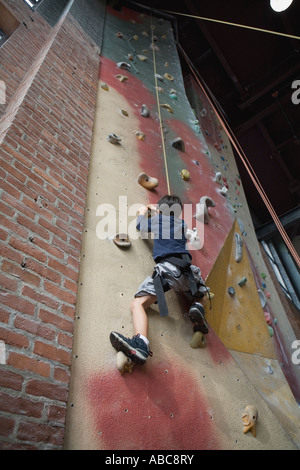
{"points": [[46, 128]]}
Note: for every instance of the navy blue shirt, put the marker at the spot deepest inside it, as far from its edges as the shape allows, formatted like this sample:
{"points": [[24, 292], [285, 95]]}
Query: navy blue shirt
{"points": [[169, 234]]}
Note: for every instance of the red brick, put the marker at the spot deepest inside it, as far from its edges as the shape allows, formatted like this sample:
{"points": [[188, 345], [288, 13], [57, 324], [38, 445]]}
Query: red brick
{"points": [[57, 414], [55, 320], [61, 375], [13, 339], [43, 388], [11, 380], [52, 352], [60, 293], [8, 283], [33, 431], [34, 327], [17, 303], [21, 405], [28, 248], [20, 273], [6, 426], [39, 297], [22, 362]]}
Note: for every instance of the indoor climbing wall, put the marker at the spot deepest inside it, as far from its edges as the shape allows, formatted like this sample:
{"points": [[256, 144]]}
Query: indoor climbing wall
{"points": [[183, 397]]}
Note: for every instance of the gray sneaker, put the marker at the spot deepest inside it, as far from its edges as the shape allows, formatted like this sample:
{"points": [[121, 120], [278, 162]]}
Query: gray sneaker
{"points": [[135, 348], [196, 315]]}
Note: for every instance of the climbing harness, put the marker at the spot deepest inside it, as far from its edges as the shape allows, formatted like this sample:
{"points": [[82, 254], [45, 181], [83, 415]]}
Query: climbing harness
{"points": [[161, 285]]}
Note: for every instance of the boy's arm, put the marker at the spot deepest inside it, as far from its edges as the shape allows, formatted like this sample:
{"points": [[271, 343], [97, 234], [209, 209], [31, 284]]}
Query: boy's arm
{"points": [[143, 223]]}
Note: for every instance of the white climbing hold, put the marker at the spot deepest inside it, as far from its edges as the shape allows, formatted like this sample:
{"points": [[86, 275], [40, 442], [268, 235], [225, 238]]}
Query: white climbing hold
{"points": [[238, 247]]}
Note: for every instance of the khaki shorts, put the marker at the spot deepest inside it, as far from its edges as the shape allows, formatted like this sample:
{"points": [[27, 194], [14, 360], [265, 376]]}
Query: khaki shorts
{"points": [[176, 280]]}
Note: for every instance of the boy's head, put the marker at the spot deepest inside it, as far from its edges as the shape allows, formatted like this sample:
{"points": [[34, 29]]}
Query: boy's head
{"points": [[170, 206]]}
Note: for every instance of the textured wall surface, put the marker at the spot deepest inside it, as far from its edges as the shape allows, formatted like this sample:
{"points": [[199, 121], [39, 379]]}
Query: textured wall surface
{"points": [[182, 398]]}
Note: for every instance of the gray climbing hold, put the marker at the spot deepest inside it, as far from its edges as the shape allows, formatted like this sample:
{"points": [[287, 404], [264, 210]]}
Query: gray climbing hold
{"points": [[231, 290], [114, 139], [238, 247], [123, 65], [202, 209], [178, 144], [145, 111]]}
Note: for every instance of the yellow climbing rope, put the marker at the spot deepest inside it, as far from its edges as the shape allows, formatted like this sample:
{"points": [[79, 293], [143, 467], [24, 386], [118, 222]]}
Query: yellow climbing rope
{"points": [[253, 28], [159, 113]]}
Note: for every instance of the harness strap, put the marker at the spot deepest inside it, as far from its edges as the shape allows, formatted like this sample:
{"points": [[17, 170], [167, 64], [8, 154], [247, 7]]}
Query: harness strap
{"points": [[161, 286], [185, 264]]}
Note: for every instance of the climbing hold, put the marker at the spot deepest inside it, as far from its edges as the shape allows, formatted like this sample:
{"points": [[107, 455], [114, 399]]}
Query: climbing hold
{"points": [[160, 89], [202, 209], [178, 144], [135, 37], [154, 47], [140, 135], [167, 107], [203, 112], [147, 182], [249, 417], [142, 57], [263, 275], [271, 331], [130, 56], [268, 318], [173, 96], [119, 35], [159, 77], [145, 111], [124, 364], [218, 176], [122, 240], [242, 281], [262, 298], [169, 77], [104, 86], [238, 247], [122, 78], [193, 237], [124, 112], [223, 191], [198, 340], [123, 65], [185, 175], [231, 290], [114, 139]]}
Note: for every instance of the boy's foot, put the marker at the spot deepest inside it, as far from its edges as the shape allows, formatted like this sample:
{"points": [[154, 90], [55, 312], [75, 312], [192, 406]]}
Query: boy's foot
{"points": [[135, 348], [196, 315]]}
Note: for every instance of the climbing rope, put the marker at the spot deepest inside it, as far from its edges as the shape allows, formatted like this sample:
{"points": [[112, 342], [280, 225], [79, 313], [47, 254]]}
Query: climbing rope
{"points": [[159, 113], [253, 28], [246, 163]]}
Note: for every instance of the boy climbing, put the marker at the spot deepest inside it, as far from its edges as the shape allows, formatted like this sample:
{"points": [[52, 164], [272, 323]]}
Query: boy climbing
{"points": [[173, 269]]}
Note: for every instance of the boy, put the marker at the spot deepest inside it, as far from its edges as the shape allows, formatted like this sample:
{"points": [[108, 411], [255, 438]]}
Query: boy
{"points": [[173, 270]]}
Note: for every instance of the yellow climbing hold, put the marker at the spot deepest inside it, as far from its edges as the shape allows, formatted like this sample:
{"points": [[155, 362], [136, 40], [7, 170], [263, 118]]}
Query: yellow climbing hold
{"points": [[185, 175], [167, 107]]}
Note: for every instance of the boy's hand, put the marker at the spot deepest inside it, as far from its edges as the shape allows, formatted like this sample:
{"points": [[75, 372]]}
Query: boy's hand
{"points": [[153, 208], [144, 209]]}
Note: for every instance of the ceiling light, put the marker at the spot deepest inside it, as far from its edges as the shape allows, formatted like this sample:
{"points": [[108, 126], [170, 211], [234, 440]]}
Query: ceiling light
{"points": [[280, 5]]}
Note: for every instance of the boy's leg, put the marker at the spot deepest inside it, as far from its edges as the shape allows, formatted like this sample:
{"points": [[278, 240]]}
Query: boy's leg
{"points": [[137, 347], [138, 309]]}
